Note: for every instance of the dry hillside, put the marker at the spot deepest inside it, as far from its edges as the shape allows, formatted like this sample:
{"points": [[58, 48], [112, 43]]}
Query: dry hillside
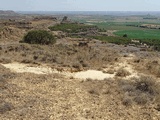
{"points": [[76, 78]]}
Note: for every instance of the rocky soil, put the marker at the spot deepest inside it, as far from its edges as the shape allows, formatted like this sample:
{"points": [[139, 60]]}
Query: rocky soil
{"points": [[75, 81]]}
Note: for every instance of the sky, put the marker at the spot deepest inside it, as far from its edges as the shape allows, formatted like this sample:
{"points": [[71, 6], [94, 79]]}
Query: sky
{"points": [[80, 5]]}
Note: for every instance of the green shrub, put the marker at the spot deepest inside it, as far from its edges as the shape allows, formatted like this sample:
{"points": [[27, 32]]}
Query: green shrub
{"points": [[125, 35], [39, 37]]}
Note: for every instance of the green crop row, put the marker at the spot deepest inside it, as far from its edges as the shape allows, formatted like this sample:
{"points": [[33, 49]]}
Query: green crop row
{"points": [[140, 34], [71, 27], [113, 39]]}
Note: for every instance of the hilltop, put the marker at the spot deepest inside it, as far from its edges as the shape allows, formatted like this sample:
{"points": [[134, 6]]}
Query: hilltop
{"points": [[7, 12]]}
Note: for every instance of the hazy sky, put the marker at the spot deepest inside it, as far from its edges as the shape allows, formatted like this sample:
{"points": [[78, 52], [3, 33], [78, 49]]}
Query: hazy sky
{"points": [[80, 5]]}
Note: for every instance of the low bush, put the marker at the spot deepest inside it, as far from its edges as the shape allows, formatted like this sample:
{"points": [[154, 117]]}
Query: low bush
{"points": [[141, 90], [5, 106], [142, 99], [39, 37], [122, 73], [146, 85], [127, 101], [125, 35], [153, 67]]}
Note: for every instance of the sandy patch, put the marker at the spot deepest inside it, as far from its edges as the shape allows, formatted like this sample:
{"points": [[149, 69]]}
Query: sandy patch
{"points": [[21, 68], [89, 74], [93, 74]]}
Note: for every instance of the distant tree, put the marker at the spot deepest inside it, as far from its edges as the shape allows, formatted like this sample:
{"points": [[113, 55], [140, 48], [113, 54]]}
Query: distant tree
{"points": [[125, 35], [64, 19], [39, 37]]}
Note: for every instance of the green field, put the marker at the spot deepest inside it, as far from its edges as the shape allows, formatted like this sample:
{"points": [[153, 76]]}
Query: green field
{"points": [[129, 25], [118, 25], [111, 39], [133, 31], [140, 34]]}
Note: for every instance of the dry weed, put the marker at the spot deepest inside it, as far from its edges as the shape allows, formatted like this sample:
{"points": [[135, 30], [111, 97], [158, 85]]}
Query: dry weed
{"points": [[141, 90], [122, 73]]}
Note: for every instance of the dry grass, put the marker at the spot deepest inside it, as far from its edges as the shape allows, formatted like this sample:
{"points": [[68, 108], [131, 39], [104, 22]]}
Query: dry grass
{"points": [[127, 101], [53, 96], [121, 72], [30, 96], [4, 107], [154, 67], [62, 55], [148, 64], [142, 91], [5, 60]]}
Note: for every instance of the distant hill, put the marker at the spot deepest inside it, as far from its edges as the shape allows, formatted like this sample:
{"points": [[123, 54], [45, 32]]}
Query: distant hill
{"points": [[7, 13]]}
